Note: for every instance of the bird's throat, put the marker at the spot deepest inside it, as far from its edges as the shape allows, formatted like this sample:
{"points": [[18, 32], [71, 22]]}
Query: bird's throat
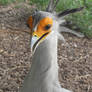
{"points": [[45, 58], [44, 70]]}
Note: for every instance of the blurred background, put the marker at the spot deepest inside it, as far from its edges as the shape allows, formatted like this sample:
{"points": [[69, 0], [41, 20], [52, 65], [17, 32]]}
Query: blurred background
{"points": [[80, 21]]}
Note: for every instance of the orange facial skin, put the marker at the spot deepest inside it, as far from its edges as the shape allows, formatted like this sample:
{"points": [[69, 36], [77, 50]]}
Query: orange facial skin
{"points": [[30, 22], [41, 26]]}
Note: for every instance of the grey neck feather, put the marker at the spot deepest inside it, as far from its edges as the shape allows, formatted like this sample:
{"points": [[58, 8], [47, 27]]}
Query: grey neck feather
{"points": [[43, 76]]}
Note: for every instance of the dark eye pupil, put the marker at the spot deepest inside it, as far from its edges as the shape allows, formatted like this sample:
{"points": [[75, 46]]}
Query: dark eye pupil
{"points": [[47, 26]]}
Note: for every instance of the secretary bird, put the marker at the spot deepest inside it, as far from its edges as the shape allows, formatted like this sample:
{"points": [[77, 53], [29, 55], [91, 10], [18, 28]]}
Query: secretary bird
{"points": [[45, 27]]}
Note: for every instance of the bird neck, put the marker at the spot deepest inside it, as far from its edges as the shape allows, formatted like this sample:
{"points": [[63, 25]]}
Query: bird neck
{"points": [[44, 63], [43, 75]]}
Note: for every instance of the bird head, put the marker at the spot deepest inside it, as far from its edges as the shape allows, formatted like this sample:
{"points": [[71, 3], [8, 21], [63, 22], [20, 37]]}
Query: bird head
{"points": [[43, 23]]}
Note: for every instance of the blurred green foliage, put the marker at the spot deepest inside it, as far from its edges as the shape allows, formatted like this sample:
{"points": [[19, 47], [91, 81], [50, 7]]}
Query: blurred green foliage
{"points": [[5, 2], [41, 4], [82, 19]]}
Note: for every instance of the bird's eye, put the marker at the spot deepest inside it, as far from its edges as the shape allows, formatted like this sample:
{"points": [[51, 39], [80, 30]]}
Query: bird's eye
{"points": [[47, 26]]}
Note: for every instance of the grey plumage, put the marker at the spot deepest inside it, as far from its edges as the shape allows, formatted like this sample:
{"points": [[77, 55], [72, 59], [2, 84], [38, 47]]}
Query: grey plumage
{"points": [[67, 30], [52, 5], [43, 75]]}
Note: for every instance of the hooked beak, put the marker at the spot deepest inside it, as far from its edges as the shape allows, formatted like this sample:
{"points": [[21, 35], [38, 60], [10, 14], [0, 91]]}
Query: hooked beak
{"points": [[35, 41]]}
